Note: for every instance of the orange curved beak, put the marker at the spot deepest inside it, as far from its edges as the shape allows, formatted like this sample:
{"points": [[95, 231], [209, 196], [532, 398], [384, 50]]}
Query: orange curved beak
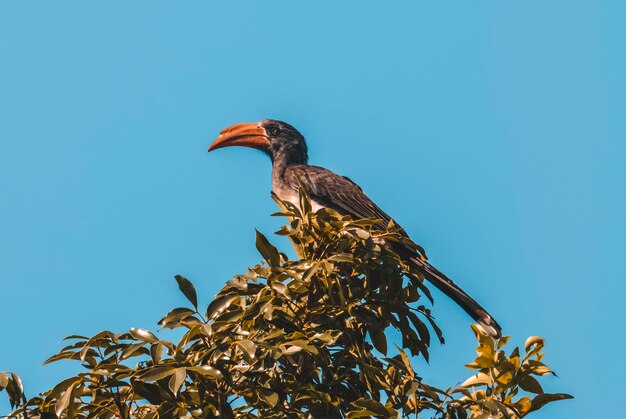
{"points": [[246, 135]]}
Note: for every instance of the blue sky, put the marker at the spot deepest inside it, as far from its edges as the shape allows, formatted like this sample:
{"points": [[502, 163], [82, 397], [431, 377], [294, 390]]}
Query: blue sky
{"points": [[492, 130]]}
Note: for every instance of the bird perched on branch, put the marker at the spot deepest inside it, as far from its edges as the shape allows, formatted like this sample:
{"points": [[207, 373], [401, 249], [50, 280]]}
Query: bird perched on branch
{"points": [[288, 151]]}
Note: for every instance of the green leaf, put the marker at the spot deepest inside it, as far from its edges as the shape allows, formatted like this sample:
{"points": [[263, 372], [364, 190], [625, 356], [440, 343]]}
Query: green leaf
{"points": [[280, 288], [188, 289], [64, 400], [533, 341], [342, 257], [173, 318], [177, 380], [436, 328], [478, 379], [308, 274], [271, 397], [361, 413], [218, 305], [530, 384], [539, 368], [248, 348], [156, 352], [18, 382], [543, 399], [379, 340], [421, 328], [14, 389], [148, 391], [295, 346], [75, 337], [405, 359], [143, 335], [134, 350], [267, 250], [207, 370], [156, 373], [60, 388], [305, 199], [375, 407], [503, 341]]}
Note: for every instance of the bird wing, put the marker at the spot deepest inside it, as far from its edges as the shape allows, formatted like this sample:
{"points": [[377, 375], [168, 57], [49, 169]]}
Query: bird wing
{"points": [[346, 197], [334, 191]]}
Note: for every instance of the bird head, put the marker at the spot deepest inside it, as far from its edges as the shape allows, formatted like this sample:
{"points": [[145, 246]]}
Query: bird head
{"points": [[277, 139]]}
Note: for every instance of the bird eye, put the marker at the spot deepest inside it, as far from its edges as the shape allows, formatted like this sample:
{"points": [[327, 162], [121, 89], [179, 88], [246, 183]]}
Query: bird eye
{"points": [[273, 130]]}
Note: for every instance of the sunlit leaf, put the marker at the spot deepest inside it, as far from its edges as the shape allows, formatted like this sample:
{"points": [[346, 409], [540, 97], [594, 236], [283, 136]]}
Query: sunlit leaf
{"points": [[143, 334], [177, 380], [533, 341], [267, 250], [64, 400], [477, 380], [156, 373]]}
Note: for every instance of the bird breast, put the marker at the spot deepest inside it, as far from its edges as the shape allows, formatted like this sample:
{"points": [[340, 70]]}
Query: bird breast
{"points": [[289, 194]]}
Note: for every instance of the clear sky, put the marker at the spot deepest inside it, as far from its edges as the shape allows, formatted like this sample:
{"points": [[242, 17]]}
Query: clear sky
{"points": [[494, 131]]}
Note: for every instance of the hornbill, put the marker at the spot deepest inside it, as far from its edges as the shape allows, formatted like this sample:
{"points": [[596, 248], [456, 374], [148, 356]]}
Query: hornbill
{"points": [[288, 151]]}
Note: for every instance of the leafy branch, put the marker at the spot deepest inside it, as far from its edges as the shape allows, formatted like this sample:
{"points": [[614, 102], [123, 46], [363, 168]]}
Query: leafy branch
{"points": [[293, 338]]}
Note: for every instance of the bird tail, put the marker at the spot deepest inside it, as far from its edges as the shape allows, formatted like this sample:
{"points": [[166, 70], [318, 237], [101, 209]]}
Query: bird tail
{"points": [[467, 303]]}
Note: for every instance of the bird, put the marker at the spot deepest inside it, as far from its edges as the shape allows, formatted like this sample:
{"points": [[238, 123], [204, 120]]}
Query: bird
{"points": [[288, 151]]}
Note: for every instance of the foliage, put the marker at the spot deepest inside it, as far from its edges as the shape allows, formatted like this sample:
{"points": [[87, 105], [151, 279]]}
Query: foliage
{"points": [[293, 338]]}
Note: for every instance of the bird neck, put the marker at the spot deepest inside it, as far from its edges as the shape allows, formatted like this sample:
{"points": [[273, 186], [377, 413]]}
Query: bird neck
{"points": [[281, 161], [287, 156]]}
